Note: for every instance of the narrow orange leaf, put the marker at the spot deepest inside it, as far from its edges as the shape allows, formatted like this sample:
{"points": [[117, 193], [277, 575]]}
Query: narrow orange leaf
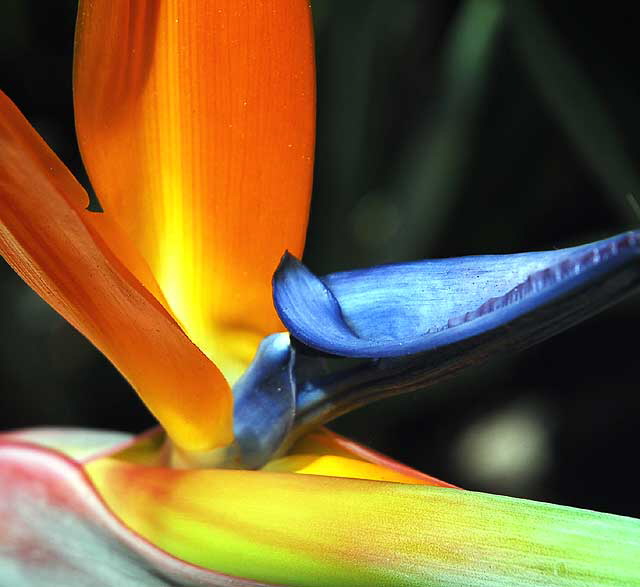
{"points": [[61, 250]]}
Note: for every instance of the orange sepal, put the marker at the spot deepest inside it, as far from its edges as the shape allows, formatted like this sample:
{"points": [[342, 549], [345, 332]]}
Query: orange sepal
{"points": [[61, 250], [197, 131], [323, 452]]}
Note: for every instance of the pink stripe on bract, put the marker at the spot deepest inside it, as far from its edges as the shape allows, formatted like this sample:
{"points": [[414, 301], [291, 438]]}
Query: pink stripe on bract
{"points": [[55, 529]]}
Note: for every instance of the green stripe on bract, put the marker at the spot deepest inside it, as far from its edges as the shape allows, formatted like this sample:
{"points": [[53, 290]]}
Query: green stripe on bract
{"points": [[314, 531]]}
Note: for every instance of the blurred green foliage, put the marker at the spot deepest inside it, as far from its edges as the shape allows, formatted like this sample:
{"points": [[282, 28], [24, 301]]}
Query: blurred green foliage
{"points": [[444, 128]]}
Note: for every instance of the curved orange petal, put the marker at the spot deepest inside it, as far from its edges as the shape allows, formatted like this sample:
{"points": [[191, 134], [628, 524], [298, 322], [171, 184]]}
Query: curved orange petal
{"points": [[59, 249], [197, 131]]}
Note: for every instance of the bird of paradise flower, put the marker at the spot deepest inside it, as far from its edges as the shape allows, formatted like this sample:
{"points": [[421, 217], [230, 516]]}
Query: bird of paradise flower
{"points": [[196, 124]]}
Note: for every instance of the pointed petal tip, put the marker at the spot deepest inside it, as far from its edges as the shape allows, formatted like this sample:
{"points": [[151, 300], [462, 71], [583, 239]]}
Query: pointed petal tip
{"points": [[323, 452], [300, 297], [286, 260], [288, 256]]}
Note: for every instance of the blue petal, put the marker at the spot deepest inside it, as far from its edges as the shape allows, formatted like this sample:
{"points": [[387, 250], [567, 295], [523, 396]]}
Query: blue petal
{"points": [[264, 402], [408, 308]]}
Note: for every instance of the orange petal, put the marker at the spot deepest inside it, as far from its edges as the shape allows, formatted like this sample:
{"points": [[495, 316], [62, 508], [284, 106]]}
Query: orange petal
{"points": [[60, 250], [197, 130], [338, 466], [323, 452]]}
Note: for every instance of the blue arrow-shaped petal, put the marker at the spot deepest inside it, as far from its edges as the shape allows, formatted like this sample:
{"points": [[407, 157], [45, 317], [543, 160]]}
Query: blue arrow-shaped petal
{"points": [[418, 323], [407, 308]]}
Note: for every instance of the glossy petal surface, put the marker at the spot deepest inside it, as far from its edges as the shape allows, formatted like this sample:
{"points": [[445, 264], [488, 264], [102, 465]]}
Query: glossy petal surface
{"points": [[407, 308], [309, 530], [197, 130], [70, 257]]}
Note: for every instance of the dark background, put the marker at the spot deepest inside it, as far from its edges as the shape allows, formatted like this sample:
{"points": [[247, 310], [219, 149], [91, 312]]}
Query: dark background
{"points": [[444, 128]]}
